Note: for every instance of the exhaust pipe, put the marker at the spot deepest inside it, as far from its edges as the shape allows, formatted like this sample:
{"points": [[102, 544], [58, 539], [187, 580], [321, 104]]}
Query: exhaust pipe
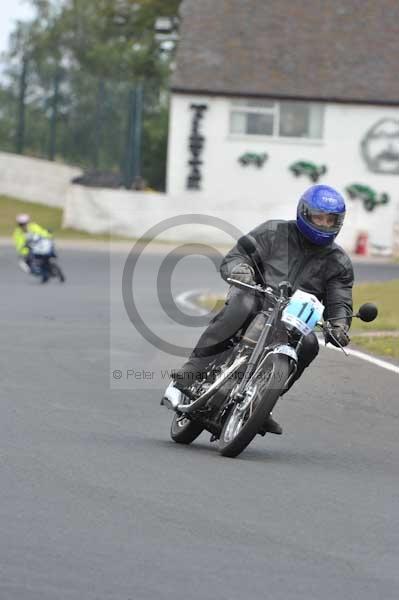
{"points": [[172, 397]]}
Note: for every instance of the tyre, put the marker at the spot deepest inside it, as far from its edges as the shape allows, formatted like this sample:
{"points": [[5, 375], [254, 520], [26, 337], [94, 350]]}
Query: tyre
{"points": [[184, 431], [45, 271], [368, 204], [57, 272], [241, 427]]}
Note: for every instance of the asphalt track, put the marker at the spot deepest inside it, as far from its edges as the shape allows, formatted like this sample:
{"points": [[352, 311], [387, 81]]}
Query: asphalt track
{"points": [[97, 503]]}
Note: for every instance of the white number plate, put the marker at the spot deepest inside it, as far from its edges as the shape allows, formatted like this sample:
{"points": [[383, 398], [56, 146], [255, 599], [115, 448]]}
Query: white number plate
{"points": [[303, 312]]}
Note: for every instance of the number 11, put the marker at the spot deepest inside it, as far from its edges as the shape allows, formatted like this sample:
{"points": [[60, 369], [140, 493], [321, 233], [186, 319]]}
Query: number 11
{"points": [[304, 305]]}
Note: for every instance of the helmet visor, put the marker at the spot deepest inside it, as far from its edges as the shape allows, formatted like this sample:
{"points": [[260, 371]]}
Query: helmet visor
{"points": [[329, 222]]}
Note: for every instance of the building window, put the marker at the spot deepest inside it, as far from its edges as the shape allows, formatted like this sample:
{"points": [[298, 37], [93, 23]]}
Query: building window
{"points": [[277, 119]]}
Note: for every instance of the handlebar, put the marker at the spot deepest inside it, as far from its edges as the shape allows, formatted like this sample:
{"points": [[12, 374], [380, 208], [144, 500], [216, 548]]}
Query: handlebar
{"points": [[256, 288], [325, 326]]}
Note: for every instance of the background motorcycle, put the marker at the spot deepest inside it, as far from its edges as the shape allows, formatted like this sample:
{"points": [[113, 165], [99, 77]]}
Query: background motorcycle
{"points": [[242, 387], [42, 258]]}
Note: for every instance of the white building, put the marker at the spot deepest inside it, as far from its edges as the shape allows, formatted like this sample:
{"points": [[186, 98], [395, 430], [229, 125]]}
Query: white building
{"points": [[268, 97]]}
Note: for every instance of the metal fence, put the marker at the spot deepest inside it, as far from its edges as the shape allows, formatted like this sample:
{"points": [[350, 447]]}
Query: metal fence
{"points": [[115, 130]]}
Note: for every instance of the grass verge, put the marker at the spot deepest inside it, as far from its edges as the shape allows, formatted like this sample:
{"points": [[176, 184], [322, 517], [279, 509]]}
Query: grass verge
{"points": [[47, 216], [385, 295], [211, 302], [382, 345]]}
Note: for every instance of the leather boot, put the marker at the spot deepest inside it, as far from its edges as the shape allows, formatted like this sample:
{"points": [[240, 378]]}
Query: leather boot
{"points": [[270, 426]]}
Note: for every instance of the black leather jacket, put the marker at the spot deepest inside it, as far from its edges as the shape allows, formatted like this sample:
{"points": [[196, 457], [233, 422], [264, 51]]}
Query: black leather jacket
{"points": [[285, 254]]}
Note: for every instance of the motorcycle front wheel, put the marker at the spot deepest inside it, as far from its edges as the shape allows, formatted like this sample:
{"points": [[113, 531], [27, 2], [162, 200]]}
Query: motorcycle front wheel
{"points": [[241, 426], [57, 272]]}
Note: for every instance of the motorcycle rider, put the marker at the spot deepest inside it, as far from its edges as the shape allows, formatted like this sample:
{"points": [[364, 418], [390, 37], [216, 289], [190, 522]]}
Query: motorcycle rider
{"points": [[25, 227], [301, 251]]}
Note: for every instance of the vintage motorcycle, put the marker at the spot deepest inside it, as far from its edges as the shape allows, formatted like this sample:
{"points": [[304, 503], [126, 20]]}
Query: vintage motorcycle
{"points": [[42, 257], [242, 387]]}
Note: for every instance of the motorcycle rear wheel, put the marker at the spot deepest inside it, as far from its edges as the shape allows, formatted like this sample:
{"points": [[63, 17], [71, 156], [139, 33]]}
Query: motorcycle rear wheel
{"points": [[240, 428], [184, 431]]}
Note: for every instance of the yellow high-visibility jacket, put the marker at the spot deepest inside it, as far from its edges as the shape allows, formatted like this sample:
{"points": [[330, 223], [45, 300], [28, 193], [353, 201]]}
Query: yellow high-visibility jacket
{"points": [[20, 235]]}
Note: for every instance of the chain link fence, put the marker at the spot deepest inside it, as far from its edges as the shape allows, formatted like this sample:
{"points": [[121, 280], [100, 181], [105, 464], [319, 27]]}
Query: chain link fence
{"points": [[115, 130]]}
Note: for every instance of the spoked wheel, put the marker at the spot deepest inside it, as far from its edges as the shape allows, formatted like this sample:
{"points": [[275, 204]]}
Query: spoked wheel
{"points": [[246, 418], [183, 430]]}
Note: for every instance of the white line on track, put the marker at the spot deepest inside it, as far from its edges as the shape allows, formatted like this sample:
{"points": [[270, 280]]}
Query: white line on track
{"points": [[187, 300], [367, 357]]}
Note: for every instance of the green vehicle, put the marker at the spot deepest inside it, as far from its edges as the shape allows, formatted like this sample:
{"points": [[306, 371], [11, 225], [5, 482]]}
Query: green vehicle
{"points": [[251, 158], [302, 167], [369, 197]]}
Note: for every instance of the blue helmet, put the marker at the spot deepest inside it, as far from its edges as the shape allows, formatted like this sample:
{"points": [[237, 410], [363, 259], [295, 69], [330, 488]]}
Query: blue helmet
{"points": [[317, 202]]}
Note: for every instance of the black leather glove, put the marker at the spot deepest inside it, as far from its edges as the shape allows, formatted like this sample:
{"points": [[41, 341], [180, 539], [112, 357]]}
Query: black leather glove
{"points": [[243, 273], [340, 333]]}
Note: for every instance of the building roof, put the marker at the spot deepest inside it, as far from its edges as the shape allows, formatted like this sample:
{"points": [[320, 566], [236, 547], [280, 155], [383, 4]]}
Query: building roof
{"points": [[335, 50]]}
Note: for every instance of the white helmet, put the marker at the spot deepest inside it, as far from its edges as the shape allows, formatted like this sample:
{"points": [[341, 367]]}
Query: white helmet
{"points": [[22, 219]]}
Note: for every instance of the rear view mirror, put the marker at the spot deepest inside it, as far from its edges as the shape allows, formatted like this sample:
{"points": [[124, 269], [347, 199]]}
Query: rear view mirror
{"points": [[367, 312]]}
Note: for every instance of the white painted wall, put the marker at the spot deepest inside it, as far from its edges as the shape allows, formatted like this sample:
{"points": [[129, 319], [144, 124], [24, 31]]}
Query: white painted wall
{"points": [[35, 180], [395, 248], [272, 191], [132, 214]]}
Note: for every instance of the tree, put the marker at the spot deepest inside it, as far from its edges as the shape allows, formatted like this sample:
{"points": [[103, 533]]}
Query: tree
{"points": [[82, 58], [111, 39]]}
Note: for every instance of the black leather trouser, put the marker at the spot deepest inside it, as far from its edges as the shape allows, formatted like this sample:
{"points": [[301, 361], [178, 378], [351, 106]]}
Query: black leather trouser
{"points": [[238, 310]]}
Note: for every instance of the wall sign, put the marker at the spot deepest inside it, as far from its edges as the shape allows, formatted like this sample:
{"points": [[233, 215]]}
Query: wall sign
{"points": [[302, 167], [367, 195], [251, 158], [196, 144], [380, 147]]}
